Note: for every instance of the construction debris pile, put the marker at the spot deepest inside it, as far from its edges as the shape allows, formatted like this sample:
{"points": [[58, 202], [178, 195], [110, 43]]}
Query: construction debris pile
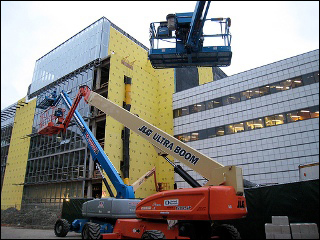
{"points": [[42, 218]]}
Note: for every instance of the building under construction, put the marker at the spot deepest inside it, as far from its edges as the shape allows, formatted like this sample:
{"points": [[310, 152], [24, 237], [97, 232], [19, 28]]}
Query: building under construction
{"points": [[46, 169], [277, 101]]}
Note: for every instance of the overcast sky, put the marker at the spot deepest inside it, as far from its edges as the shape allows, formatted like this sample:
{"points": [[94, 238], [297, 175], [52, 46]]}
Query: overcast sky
{"points": [[262, 32]]}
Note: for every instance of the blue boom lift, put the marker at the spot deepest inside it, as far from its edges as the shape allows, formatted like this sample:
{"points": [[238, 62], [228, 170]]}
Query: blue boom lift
{"points": [[185, 31], [124, 201]]}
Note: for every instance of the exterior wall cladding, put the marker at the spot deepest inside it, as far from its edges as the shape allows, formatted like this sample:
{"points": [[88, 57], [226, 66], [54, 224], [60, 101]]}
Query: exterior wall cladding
{"points": [[272, 153]]}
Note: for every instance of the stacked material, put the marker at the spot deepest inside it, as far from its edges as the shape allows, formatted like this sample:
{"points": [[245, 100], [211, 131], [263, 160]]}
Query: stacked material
{"points": [[281, 229]]}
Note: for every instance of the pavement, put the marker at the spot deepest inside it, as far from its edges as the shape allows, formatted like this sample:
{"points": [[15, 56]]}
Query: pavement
{"points": [[25, 233]]}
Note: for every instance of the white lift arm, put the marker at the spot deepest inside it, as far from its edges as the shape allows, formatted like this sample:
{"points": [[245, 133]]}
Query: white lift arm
{"points": [[165, 144]]}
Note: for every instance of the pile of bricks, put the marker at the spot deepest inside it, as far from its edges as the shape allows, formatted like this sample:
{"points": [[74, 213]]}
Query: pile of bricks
{"points": [[281, 229]]}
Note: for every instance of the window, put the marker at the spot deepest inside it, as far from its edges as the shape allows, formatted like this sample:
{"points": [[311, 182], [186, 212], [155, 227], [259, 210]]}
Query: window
{"points": [[238, 127], [245, 95], [186, 137], [314, 111], [184, 111], [254, 124], [296, 82], [286, 84], [232, 98], [264, 90], [316, 77], [230, 129], [211, 132], [308, 79], [213, 103], [255, 93], [194, 136], [274, 120], [281, 86], [293, 116], [203, 134], [220, 131], [177, 113], [179, 137], [197, 107]]}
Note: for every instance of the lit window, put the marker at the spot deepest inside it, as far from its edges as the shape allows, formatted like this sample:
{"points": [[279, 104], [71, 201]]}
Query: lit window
{"points": [[254, 124], [258, 123], [194, 136], [186, 137], [213, 103], [197, 107], [230, 129], [249, 125], [314, 111], [245, 95], [304, 114], [296, 82], [238, 127], [220, 131], [232, 98], [281, 86], [293, 116], [264, 90], [179, 137], [184, 111], [255, 93], [274, 120], [177, 113]]}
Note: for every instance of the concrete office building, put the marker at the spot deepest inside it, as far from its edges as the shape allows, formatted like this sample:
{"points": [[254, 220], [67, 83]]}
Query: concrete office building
{"points": [[264, 120]]}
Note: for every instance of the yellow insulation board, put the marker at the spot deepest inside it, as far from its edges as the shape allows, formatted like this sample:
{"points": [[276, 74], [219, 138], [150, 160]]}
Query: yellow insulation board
{"points": [[12, 189]]}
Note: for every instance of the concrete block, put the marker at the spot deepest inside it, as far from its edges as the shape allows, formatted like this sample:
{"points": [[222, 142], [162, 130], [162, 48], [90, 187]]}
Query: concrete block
{"points": [[280, 220], [304, 228], [285, 229], [270, 236], [295, 227], [282, 236], [296, 236], [271, 228], [309, 236], [313, 228]]}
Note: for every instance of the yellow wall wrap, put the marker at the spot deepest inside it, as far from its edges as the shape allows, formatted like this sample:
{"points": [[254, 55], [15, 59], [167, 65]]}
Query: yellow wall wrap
{"points": [[18, 155], [129, 59], [151, 99]]}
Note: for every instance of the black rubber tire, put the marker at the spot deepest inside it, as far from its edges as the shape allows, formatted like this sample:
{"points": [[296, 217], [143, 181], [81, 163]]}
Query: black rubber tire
{"points": [[91, 231], [225, 231], [61, 228], [153, 234]]}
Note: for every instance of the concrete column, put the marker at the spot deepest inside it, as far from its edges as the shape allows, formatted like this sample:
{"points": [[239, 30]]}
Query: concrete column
{"points": [[98, 80], [91, 163], [94, 131]]}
